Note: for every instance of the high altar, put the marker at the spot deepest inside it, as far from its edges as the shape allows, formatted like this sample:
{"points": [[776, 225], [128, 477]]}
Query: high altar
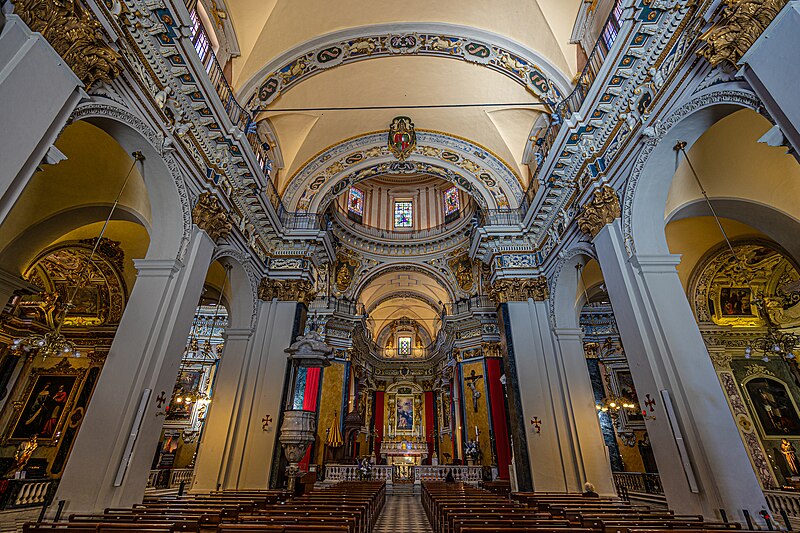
{"points": [[399, 450], [404, 442]]}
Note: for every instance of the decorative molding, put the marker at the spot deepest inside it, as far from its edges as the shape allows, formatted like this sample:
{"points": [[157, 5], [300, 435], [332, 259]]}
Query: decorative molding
{"points": [[518, 290], [727, 96], [473, 168], [75, 35], [741, 24], [449, 41], [91, 110], [210, 217], [602, 209], [287, 290]]}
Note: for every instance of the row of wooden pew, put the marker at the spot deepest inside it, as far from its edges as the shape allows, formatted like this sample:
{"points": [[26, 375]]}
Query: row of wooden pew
{"points": [[458, 508], [343, 508]]}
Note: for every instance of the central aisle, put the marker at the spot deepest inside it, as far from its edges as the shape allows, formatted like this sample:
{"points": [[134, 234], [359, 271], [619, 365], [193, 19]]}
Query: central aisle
{"points": [[402, 513]]}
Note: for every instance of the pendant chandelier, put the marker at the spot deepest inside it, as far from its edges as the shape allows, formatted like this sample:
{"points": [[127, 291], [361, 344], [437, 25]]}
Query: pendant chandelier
{"points": [[53, 343]]}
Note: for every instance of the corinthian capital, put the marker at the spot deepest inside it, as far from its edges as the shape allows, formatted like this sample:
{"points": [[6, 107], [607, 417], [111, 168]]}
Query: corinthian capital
{"points": [[289, 290], [518, 290], [602, 209], [211, 217]]}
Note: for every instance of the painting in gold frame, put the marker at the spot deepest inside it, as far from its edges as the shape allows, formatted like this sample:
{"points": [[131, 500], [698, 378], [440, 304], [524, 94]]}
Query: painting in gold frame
{"points": [[733, 306], [45, 403]]}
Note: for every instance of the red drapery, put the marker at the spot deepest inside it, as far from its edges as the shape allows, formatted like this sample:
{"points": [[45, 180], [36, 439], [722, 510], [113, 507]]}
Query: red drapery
{"points": [[378, 422], [499, 423], [429, 428], [310, 397]]}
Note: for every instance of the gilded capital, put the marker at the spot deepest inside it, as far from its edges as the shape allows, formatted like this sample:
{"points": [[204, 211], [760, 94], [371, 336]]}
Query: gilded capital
{"points": [[491, 349], [602, 209], [75, 35], [211, 217], [518, 290], [289, 290], [741, 23]]}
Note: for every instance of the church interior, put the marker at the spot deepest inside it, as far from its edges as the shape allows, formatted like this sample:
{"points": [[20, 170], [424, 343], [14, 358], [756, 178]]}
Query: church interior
{"points": [[451, 266]]}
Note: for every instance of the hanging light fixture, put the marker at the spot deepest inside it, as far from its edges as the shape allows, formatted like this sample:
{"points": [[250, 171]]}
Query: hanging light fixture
{"points": [[53, 343]]}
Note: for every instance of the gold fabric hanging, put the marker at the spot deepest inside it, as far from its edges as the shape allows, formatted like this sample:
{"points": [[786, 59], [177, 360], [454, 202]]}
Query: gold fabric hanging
{"points": [[334, 436]]}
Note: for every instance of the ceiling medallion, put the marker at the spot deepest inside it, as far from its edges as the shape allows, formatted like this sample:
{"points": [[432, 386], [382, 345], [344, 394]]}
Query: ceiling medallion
{"points": [[402, 137]]}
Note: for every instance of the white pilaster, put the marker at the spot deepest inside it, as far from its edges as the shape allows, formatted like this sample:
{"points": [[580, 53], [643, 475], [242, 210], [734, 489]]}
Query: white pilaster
{"points": [[9, 283], [666, 353], [554, 387], [236, 451], [145, 354], [39, 92]]}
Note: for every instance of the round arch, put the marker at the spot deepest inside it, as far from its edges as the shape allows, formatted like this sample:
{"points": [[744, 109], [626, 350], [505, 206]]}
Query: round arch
{"points": [[565, 302], [648, 187], [163, 178], [472, 167], [388, 268], [241, 289]]}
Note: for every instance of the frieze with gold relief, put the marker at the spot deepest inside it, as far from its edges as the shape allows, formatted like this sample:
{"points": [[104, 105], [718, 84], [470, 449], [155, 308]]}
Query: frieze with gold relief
{"points": [[462, 270], [345, 271], [518, 289], [289, 290]]}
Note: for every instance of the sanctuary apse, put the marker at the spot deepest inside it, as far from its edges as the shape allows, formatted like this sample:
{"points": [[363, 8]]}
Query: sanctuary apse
{"points": [[526, 245]]}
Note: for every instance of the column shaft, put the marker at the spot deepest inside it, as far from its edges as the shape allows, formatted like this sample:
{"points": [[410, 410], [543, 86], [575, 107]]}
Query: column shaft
{"points": [[145, 354], [666, 353]]}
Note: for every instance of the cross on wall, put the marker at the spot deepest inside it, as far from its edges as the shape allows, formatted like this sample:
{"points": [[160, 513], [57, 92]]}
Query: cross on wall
{"points": [[161, 399], [650, 402], [265, 422], [537, 424]]}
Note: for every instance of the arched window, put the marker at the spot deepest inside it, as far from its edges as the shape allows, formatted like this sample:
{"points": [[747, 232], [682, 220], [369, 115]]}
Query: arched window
{"points": [[355, 205], [452, 205]]}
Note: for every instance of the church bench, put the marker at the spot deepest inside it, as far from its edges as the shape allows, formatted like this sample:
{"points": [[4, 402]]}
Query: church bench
{"points": [[190, 524], [328, 519], [442, 512], [105, 527], [508, 520], [595, 520], [670, 525], [304, 528], [523, 529], [206, 517]]}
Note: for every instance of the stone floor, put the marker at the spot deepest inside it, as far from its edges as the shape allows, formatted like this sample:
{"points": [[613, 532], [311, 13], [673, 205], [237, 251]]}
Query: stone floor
{"points": [[402, 513]]}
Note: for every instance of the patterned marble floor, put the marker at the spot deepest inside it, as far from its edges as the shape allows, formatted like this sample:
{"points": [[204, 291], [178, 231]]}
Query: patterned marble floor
{"points": [[402, 513]]}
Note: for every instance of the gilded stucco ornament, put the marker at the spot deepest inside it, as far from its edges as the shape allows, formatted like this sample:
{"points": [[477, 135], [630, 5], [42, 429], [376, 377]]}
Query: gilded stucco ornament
{"points": [[518, 290], [602, 209], [742, 22], [211, 217], [75, 35], [402, 137], [290, 290]]}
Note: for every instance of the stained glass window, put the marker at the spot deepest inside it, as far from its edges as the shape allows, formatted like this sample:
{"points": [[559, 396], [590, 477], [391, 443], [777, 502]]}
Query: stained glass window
{"points": [[404, 346], [452, 204], [403, 211], [355, 201]]}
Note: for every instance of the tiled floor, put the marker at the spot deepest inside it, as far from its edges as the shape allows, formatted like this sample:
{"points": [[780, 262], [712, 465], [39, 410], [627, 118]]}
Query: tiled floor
{"points": [[402, 513]]}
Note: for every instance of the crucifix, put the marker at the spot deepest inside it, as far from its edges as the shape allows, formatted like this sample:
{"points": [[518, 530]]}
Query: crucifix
{"points": [[161, 400], [537, 424], [472, 383]]}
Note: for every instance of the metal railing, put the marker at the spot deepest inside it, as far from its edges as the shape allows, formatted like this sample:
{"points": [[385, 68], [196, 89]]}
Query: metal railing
{"points": [[478, 301], [638, 482], [340, 215], [573, 102]]}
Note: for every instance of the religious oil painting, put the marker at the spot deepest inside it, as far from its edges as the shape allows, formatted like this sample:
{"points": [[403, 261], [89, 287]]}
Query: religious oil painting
{"points": [[774, 409], [45, 406], [735, 301], [627, 390], [405, 413]]}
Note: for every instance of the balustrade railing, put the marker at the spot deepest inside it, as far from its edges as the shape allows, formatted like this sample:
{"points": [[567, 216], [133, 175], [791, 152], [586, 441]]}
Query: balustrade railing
{"points": [[781, 501], [21, 493], [573, 102], [398, 235], [466, 474], [169, 478], [467, 304], [639, 482]]}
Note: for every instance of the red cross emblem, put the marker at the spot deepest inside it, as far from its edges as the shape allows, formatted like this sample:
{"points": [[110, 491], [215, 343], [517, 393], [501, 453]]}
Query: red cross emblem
{"points": [[650, 402], [537, 424], [265, 422]]}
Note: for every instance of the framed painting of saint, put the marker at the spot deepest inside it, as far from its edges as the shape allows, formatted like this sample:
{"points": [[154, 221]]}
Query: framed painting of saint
{"points": [[405, 413], [773, 407], [47, 400]]}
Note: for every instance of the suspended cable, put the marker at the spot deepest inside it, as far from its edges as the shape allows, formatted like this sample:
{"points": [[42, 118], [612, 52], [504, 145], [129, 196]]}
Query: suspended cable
{"points": [[381, 107]]}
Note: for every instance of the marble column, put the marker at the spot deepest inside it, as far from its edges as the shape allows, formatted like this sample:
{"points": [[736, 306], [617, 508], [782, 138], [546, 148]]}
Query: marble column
{"points": [[237, 445], [39, 92], [702, 461], [554, 389], [122, 420]]}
